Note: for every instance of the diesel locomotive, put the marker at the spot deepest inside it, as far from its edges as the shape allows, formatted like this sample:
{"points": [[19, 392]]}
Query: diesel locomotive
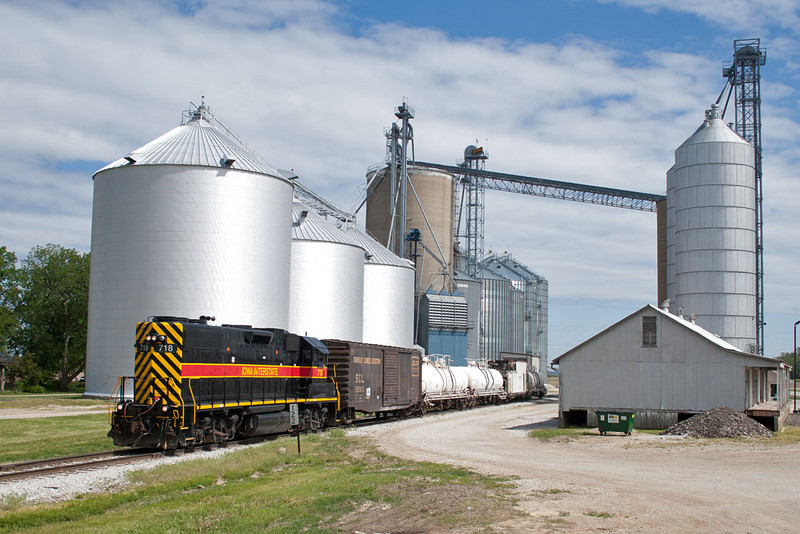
{"points": [[196, 384]]}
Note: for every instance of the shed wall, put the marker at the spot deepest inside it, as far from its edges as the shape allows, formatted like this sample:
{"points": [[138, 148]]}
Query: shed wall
{"points": [[683, 373]]}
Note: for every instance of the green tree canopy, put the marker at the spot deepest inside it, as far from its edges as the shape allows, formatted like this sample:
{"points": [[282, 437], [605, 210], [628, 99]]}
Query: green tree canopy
{"points": [[53, 305], [8, 297], [788, 358]]}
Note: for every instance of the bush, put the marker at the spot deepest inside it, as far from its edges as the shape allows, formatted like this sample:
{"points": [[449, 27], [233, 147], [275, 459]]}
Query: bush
{"points": [[34, 389], [25, 372]]}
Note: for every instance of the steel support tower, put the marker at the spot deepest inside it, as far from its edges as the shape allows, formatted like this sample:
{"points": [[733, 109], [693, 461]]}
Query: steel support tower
{"points": [[405, 113], [744, 78], [474, 159]]}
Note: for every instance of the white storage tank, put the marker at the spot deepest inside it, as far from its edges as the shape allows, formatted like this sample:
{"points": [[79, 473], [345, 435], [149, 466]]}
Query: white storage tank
{"points": [[711, 232], [326, 289], [388, 294], [192, 223]]}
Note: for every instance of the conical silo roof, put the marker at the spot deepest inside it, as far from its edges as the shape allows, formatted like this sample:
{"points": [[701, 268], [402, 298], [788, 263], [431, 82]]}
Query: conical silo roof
{"points": [[376, 253], [200, 141], [714, 130], [307, 225]]}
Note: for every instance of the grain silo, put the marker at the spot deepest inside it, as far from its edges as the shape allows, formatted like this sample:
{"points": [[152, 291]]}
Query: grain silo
{"points": [[388, 294], [515, 302], [711, 232], [326, 295], [192, 223], [435, 190]]}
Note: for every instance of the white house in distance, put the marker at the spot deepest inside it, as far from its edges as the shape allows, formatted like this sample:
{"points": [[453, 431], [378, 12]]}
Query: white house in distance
{"points": [[665, 369]]}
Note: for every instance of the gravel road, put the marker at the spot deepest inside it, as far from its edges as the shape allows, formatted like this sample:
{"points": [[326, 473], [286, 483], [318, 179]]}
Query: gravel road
{"points": [[638, 483]]}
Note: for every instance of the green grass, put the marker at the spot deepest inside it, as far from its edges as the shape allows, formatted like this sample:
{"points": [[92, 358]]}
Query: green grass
{"points": [[598, 514], [74, 388], [547, 434], [36, 439], [29, 401], [263, 489]]}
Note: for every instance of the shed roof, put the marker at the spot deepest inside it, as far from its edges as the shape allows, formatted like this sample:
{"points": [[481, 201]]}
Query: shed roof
{"points": [[708, 336]]}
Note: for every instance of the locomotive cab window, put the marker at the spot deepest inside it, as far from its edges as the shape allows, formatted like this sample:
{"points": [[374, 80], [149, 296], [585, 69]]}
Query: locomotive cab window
{"points": [[649, 332]]}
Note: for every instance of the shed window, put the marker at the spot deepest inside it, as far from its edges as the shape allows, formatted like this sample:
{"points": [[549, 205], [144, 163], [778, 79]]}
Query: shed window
{"points": [[649, 332]]}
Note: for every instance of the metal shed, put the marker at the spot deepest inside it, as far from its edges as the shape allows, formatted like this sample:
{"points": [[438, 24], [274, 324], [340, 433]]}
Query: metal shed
{"points": [[666, 368]]}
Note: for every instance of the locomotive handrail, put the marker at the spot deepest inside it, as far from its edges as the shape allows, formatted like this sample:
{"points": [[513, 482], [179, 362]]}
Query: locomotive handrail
{"points": [[194, 403], [111, 397], [120, 386], [336, 385]]}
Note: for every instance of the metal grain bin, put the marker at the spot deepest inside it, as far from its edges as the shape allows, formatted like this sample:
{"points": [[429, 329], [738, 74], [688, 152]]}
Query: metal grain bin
{"points": [[711, 232], [326, 281], [192, 223]]}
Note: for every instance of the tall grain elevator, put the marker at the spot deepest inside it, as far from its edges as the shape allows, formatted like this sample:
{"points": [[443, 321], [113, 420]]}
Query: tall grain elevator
{"points": [[711, 232]]}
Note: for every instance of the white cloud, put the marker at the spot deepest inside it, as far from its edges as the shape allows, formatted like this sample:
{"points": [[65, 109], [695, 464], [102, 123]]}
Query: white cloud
{"points": [[95, 80], [751, 15]]}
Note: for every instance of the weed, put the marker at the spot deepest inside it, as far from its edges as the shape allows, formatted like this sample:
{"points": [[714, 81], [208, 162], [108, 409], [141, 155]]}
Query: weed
{"points": [[598, 514]]}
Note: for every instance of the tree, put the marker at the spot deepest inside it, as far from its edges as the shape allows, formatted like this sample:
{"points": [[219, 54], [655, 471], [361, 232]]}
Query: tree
{"points": [[788, 359], [8, 298], [52, 309]]}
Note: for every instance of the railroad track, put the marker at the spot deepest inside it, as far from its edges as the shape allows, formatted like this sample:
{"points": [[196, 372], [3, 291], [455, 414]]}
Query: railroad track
{"points": [[68, 464]]}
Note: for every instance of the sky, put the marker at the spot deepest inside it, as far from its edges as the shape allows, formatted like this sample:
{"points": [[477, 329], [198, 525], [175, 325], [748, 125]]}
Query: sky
{"points": [[598, 92]]}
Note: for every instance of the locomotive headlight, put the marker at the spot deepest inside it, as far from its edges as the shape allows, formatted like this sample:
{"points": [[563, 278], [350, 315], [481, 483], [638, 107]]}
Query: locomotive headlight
{"points": [[162, 338], [119, 407], [164, 408]]}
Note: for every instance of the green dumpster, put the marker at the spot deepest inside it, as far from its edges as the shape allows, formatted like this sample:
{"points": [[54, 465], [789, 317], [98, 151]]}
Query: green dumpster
{"points": [[615, 422]]}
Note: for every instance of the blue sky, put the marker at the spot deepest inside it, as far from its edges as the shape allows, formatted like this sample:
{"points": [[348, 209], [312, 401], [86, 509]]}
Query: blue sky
{"points": [[598, 92]]}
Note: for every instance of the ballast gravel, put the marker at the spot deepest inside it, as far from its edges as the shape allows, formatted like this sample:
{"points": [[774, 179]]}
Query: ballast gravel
{"points": [[65, 486]]}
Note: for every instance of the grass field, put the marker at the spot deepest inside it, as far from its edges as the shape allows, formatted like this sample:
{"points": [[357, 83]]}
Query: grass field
{"points": [[337, 483], [36, 439], [66, 400]]}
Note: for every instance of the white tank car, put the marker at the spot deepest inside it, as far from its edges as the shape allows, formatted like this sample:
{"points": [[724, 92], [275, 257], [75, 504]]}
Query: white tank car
{"points": [[485, 382]]}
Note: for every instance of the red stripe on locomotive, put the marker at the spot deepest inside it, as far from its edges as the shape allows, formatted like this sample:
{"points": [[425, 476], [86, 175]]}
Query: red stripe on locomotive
{"points": [[226, 370]]}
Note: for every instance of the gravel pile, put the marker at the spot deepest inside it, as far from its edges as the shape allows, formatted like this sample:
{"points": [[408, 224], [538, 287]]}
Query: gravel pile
{"points": [[719, 423]]}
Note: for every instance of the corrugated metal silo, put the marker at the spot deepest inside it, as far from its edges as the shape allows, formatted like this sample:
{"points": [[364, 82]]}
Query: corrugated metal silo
{"points": [[711, 223], [326, 295], [514, 309], [388, 294], [191, 223], [471, 289], [498, 315], [435, 190]]}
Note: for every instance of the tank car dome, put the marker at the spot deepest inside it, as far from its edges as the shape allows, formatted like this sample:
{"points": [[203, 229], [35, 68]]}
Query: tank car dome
{"points": [[192, 223], [326, 292]]}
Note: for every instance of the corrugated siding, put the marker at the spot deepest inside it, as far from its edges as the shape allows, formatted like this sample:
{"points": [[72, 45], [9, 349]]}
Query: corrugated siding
{"points": [[684, 373], [196, 143]]}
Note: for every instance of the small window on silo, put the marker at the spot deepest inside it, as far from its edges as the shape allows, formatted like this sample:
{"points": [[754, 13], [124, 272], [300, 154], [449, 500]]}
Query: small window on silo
{"points": [[649, 332]]}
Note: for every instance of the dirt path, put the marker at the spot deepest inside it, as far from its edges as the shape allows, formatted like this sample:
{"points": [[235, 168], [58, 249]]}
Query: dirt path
{"points": [[639, 483], [53, 410]]}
